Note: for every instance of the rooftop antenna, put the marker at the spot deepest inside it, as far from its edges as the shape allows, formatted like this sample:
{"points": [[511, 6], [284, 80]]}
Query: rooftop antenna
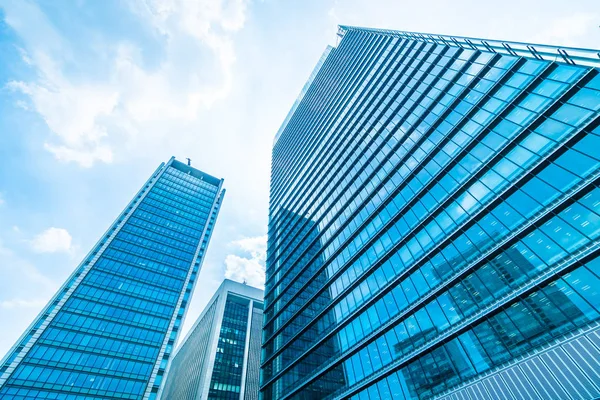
{"points": [[189, 161]]}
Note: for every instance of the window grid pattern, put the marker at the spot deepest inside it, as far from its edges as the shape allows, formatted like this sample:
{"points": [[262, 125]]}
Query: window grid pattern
{"points": [[226, 380], [191, 360], [220, 356], [360, 198], [333, 246], [252, 385], [457, 190], [106, 340]]}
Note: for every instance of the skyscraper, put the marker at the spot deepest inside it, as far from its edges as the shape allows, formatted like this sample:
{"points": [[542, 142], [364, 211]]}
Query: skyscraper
{"points": [[220, 356], [109, 332], [434, 222]]}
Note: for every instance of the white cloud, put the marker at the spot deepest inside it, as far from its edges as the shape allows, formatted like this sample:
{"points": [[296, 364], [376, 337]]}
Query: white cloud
{"points": [[17, 273], [21, 303], [52, 240], [22, 104], [73, 113], [567, 30], [91, 118], [24, 290], [249, 268], [2, 201], [200, 18], [256, 246], [24, 56]]}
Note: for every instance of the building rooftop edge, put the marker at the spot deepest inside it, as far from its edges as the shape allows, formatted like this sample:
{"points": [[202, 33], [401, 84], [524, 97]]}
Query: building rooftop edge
{"points": [[242, 287], [227, 285], [183, 167], [566, 54]]}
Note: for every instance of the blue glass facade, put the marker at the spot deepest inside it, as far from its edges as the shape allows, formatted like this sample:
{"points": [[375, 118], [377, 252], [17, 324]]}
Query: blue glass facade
{"points": [[434, 222], [110, 330], [219, 359], [226, 380]]}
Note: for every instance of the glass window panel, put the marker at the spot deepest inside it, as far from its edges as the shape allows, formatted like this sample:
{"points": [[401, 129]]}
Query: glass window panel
{"points": [[566, 73], [508, 332], [570, 303], [558, 177], [493, 280], [594, 83], [460, 360], [535, 103], [571, 115], [462, 299], [430, 274], [587, 98], [508, 215], [523, 262], [550, 88], [554, 129], [494, 347], [592, 200], [540, 191], [584, 220], [564, 234], [537, 144], [507, 129], [446, 302], [526, 321], [437, 316], [589, 145], [396, 387], [476, 353], [544, 247], [594, 266], [524, 204], [548, 312], [586, 285], [404, 330], [533, 67], [384, 390], [426, 329], [521, 156]]}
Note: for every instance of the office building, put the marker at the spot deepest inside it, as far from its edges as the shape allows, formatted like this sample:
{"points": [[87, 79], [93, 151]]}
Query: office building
{"points": [[220, 356], [109, 331], [434, 222]]}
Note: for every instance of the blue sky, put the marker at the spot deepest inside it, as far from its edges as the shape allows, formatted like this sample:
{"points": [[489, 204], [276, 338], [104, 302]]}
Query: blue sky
{"points": [[95, 94]]}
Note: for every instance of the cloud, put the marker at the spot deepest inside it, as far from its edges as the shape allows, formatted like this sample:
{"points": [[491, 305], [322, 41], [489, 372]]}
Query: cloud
{"points": [[22, 104], [2, 201], [257, 246], [24, 290], [251, 267], [567, 30], [24, 56], [52, 240], [17, 273], [21, 303], [73, 113], [92, 119]]}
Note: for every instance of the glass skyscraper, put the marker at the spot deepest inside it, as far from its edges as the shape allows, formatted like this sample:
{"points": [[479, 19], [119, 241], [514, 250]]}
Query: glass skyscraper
{"points": [[220, 357], [434, 223], [109, 331]]}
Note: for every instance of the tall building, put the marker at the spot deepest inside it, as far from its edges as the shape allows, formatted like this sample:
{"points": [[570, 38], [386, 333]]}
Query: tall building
{"points": [[434, 222], [109, 332], [220, 356]]}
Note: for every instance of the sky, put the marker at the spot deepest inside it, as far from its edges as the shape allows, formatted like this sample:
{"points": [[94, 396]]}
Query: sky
{"points": [[94, 95]]}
